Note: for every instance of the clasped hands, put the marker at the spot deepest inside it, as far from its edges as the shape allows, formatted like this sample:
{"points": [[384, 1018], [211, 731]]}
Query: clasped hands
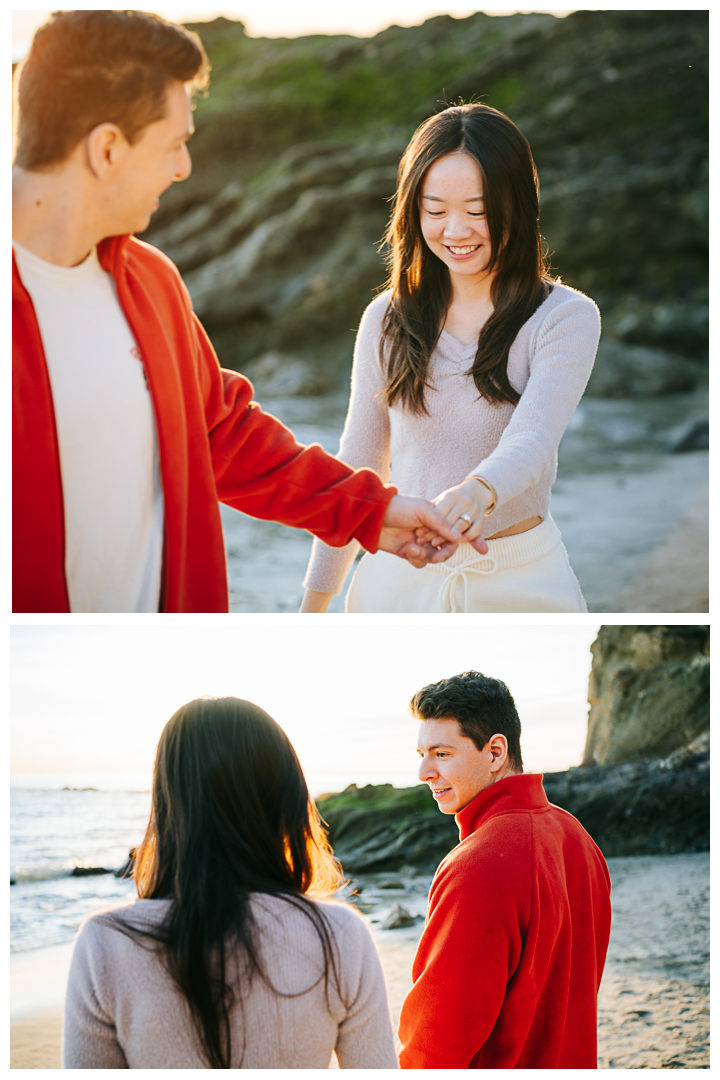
{"points": [[423, 533]]}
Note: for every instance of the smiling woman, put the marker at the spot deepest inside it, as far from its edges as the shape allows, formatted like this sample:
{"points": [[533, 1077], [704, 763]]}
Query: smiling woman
{"points": [[466, 373]]}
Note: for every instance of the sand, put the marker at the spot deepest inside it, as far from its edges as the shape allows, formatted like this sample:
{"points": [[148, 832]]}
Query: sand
{"points": [[633, 517], [35, 1041], [653, 1003], [653, 1006], [675, 576]]}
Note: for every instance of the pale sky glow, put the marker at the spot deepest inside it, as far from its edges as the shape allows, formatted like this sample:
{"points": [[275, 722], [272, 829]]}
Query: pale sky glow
{"points": [[287, 18], [95, 698]]}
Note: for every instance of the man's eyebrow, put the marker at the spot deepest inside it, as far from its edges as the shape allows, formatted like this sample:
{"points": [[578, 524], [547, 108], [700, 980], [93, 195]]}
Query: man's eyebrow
{"points": [[438, 746], [473, 198]]}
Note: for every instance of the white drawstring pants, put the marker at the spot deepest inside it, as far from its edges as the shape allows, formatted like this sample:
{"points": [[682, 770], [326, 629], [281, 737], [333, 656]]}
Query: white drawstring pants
{"points": [[529, 572]]}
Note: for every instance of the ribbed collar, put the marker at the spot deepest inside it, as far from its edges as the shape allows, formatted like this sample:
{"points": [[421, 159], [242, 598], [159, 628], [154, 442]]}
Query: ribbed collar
{"points": [[523, 792]]}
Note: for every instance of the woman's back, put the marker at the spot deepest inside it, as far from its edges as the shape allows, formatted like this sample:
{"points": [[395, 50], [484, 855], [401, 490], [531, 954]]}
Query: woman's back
{"points": [[124, 1010]]}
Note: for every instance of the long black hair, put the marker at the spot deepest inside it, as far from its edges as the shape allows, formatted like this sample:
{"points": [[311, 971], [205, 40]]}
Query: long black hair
{"points": [[420, 284], [231, 815]]}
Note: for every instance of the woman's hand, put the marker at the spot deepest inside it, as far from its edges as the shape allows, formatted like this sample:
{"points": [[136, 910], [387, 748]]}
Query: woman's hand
{"points": [[316, 601], [463, 506]]}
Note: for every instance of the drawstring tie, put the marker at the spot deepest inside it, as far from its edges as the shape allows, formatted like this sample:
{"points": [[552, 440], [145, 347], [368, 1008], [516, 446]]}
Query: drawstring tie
{"points": [[474, 564]]}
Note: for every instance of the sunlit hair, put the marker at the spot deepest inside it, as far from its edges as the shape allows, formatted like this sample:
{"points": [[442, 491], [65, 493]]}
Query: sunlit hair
{"points": [[420, 284], [86, 68], [231, 815], [482, 706]]}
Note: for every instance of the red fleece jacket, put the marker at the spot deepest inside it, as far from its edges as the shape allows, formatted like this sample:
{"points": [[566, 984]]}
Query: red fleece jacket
{"points": [[507, 971], [215, 443]]}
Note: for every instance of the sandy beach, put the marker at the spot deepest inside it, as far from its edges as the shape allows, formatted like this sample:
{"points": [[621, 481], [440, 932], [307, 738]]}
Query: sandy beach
{"points": [[629, 551], [653, 1005]]}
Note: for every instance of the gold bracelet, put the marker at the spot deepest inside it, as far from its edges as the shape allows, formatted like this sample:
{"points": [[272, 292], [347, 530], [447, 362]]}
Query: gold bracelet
{"points": [[492, 491]]}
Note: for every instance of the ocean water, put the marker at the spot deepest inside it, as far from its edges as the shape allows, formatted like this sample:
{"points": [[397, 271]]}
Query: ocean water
{"points": [[60, 821]]}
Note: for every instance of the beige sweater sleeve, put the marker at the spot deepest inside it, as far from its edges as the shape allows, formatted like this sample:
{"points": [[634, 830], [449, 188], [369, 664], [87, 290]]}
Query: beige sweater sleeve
{"points": [[365, 1037], [365, 442], [90, 1038], [561, 365]]}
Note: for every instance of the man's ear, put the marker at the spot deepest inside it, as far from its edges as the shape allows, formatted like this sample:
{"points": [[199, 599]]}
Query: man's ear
{"points": [[498, 747], [105, 147]]}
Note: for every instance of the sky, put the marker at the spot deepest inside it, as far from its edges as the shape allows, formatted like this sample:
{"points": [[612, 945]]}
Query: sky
{"points": [[288, 18], [95, 698]]}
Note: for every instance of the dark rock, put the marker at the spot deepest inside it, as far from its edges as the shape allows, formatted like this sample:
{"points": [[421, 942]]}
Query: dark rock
{"points": [[128, 866], [88, 871], [679, 328], [647, 808], [634, 371], [649, 692], [694, 436]]}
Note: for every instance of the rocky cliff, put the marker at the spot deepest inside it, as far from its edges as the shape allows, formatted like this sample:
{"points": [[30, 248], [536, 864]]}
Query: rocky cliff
{"points": [[297, 146], [649, 692], [645, 785]]}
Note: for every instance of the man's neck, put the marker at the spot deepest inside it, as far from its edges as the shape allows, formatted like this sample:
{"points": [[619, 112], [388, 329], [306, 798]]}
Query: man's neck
{"points": [[504, 773], [51, 217]]}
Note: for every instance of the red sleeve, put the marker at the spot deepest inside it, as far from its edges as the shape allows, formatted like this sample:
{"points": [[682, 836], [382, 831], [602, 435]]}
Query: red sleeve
{"points": [[260, 469], [471, 946]]}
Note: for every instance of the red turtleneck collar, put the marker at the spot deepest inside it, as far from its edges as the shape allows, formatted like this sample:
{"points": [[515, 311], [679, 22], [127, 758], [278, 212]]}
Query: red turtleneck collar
{"points": [[522, 792]]}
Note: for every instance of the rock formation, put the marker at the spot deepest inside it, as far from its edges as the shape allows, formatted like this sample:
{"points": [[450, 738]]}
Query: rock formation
{"points": [[649, 692], [379, 827], [647, 808], [645, 785], [297, 147]]}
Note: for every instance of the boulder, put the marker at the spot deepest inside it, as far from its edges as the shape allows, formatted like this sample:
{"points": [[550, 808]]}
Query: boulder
{"points": [[397, 918]]}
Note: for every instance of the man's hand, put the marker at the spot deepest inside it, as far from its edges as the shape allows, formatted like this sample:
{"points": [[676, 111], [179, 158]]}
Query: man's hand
{"points": [[403, 517]]}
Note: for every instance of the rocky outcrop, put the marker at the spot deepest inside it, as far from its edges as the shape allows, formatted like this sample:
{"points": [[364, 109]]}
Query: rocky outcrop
{"points": [[296, 152], [649, 692], [379, 827], [646, 808]]}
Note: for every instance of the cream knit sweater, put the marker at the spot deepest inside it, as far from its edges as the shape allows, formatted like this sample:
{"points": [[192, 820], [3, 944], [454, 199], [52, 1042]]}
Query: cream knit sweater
{"points": [[123, 1010], [513, 447]]}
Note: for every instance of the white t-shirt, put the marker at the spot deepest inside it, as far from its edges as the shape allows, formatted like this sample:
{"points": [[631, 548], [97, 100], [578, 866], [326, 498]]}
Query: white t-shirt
{"points": [[109, 460]]}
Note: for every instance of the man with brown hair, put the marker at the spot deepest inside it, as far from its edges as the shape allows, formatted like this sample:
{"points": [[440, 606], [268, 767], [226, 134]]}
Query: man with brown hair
{"points": [[508, 968], [126, 431]]}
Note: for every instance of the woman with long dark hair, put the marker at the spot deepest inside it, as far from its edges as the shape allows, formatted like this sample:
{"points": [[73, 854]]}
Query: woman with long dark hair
{"points": [[232, 957], [466, 373]]}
